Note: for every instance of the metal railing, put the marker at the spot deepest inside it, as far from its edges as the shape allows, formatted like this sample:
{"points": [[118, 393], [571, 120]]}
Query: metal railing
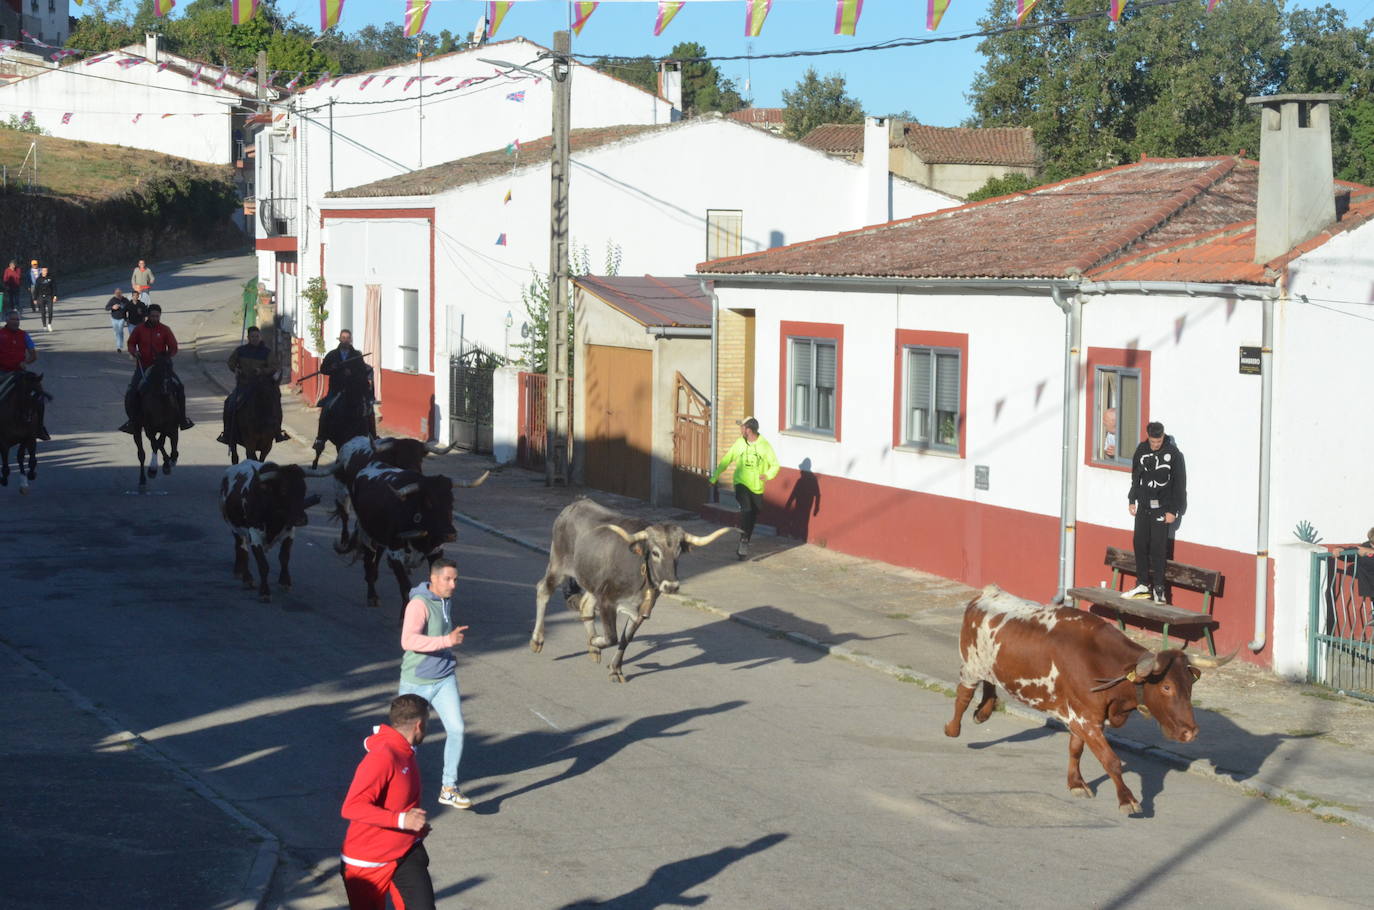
{"points": [[1340, 625], [278, 216]]}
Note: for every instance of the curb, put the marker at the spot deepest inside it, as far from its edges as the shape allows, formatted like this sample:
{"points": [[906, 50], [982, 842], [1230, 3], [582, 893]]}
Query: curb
{"points": [[1254, 787], [259, 877]]}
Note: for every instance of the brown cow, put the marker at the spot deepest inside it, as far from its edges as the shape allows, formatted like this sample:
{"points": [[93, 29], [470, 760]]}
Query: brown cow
{"points": [[1075, 667]]}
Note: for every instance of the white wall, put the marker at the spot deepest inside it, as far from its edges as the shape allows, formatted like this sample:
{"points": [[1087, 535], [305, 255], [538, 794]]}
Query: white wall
{"points": [[505, 421]]}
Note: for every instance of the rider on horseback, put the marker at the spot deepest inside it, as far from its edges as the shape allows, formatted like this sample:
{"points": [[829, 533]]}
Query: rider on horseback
{"points": [[344, 366], [252, 362], [149, 341], [16, 352]]}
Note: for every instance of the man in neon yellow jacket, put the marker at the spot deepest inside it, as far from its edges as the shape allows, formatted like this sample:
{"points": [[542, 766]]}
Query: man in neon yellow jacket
{"points": [[755, 464]]}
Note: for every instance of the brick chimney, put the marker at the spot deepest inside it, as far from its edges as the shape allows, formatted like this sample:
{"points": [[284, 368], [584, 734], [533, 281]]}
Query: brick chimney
{"points": [[877, 179], [1296, 196]]}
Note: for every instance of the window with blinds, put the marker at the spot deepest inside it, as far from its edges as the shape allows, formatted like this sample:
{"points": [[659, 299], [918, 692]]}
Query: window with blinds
{"points": [[1116, 417], [410, 331], [932, 398], [724, 230], [811, 386], [345, 307]]}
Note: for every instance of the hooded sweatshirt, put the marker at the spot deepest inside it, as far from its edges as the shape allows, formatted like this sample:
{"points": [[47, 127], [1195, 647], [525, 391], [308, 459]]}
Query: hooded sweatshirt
{"points": [[1159, 482], [385, 787], [428, 657]]}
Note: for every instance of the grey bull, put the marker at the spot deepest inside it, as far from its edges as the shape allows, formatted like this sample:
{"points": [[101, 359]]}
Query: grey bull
{"points": [[618, 564]]}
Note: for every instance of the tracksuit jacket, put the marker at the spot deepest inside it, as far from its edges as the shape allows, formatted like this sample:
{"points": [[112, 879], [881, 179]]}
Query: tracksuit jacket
{"points": [[385, 787]]}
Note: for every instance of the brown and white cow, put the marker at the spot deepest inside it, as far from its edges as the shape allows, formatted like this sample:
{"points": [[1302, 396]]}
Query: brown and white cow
{"points": [[263, 503], [1077, 668]]}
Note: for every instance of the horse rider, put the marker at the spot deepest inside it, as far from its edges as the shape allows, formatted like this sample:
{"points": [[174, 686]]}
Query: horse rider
{"points": [[250, 362], [17, 351], [341, 365], [147, 343]]}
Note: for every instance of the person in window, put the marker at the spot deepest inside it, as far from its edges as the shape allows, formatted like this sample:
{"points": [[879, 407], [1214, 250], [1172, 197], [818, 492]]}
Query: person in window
{"points": [[1109, 433], [1158, 496], [755, 465]]}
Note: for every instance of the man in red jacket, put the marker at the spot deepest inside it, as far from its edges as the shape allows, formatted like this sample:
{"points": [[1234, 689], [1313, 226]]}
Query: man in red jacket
{"points": [[147, 343], [384, 850]]}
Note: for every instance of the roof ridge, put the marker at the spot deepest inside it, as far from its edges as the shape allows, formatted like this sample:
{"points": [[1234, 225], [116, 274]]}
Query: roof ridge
{"points": [[1123, 238]]}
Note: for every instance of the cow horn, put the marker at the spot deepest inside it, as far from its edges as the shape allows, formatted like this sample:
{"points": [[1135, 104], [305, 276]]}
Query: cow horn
{"points": [[381, 445], [406, 490], [473, 483], [326, 471], [433, 448], [411, 535], [268, 475], [629, 538], [1211, 663], [696, 541]]}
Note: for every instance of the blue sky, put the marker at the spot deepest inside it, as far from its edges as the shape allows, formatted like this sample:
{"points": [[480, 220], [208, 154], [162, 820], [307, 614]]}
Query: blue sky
{"points": [[929, 81]]}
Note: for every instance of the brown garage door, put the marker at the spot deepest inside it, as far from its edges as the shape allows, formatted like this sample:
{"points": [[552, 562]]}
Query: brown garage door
{"points": [[619, 419]]}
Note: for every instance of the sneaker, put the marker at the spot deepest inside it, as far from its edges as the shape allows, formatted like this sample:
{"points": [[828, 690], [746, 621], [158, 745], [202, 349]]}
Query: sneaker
{"points": [[742, 551], [1160, 597], [452, 796], [1137, 592]]}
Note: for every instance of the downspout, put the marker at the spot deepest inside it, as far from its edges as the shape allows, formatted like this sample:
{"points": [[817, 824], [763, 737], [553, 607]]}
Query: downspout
{"points": [[709, 289], [1266, 433], [1068, 483]]}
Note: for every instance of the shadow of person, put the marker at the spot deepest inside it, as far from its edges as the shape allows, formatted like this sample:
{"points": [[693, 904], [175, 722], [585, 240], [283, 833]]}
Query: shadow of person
{"points": [[802, 502], [668, 884]]}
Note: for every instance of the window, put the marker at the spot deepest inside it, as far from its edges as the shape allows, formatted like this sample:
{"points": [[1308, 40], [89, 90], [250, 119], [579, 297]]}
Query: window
{"points": [[1118, 402], [724, 229], [811, 377], [931, 406], [410, 331], [52, 6], [346, 307]]}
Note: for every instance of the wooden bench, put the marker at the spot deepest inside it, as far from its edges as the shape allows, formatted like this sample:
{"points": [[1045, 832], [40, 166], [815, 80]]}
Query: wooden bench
{"points": [[1122, 562]]}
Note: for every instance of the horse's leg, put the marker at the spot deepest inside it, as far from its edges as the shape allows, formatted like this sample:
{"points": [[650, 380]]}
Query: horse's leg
{"points": [[32, 446], [169, 460], [154, 447], [25, 477], [142, 457], [4, 466], [234, 453]]}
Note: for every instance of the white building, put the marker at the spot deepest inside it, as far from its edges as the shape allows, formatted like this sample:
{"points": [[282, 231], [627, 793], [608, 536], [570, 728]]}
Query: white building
{"points": [[449, 249], [912, 377], [46, 20]]}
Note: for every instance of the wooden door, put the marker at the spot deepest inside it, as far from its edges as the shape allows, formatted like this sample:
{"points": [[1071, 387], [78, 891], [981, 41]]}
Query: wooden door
{"points": [[619, 419]]}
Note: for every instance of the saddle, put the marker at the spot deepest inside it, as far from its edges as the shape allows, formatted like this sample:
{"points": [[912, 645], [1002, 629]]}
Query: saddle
{"points": [[29, 389]]}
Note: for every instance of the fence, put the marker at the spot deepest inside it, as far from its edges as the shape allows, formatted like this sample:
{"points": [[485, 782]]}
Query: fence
{"points": [[470, 398], [533, 429], [1340, 625]]}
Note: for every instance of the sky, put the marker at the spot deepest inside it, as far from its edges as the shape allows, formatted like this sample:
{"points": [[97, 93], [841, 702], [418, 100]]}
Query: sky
{"points": [[931, 81]]}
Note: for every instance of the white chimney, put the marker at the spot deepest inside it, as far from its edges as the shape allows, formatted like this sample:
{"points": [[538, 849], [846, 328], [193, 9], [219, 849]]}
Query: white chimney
{"points": [[1296, 195], [150, 53], [877, 179], [670, 84]]}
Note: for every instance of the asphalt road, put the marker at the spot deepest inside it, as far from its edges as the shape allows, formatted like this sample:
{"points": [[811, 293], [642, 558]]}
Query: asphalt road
{"points": [[733, 770]]}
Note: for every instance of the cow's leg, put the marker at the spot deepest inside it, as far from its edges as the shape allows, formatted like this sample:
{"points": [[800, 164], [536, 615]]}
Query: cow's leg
{"points": [[284, 557], [372, 558], [603, 608], [264, 569], [4, 466], [1097, 741], [632, 623], [542, 592], [987, 705], [398, 568], [962, 696], [341, 513], [1077, 786], [241, 569]]}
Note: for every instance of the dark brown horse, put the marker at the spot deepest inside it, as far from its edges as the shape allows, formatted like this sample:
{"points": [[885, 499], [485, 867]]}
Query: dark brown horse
{"points": [[22, 402], [158, 418], [256, 420]]}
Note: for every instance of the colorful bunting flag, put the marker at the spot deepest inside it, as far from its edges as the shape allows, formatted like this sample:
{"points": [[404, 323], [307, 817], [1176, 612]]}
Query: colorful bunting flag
{"points": [[505, 201], [667, 9], [1114, 10], [1211, 5], [242, 10], [755, 11], [291, 86], [935, 11], [163, 7], [513, 147], [416, 11], [251, 71], [516, 96], [324, 77], [136, 118], [389, 80], [330, 10], [443, 80], [1023, 9], [223, 74], [365, 82], [62, 53], [501, 240], [165, 116], [847, 14], [7, 44], [195, 77], [496, 12], [66, 118], [163, 65], [33, 40], [337, 80], [130, 62], [584, 12], [89, 61], [409, 82]]}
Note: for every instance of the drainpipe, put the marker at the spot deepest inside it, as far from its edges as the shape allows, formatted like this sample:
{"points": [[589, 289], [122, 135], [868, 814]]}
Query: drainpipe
{"points": [[1068, 484], [1266, 433], [709, 289]]}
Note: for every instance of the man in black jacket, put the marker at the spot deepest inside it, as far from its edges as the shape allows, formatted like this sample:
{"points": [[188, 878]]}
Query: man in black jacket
{"points": [[1158, 496], [45, 292]]}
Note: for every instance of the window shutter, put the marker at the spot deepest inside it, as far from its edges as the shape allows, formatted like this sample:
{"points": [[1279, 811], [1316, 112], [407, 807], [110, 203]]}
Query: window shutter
{"points": [[825, 365], [801, 362], [918, 379], [947, 383]]}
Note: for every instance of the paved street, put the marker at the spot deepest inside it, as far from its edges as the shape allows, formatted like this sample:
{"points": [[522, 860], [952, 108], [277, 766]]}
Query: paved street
{"points": [[735, 769]]}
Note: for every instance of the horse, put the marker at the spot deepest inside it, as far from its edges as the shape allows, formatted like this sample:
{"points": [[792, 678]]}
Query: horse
{"points": [[256, 420], [158, 418], [22, 401], [347, 413]]}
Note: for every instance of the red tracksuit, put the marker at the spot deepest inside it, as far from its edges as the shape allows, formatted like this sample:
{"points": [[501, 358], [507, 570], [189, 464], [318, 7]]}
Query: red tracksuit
{"points": [[385, 786]]}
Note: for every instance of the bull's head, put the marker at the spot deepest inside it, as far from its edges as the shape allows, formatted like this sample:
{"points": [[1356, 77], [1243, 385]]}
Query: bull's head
{"points": [[660, 545], [1164, 688], [428, 502], [287, 483]]}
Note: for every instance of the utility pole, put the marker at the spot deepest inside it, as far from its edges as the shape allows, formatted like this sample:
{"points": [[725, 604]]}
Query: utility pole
{"points": [[556, 362], [331, 144], [420, 138], [262, 81]]}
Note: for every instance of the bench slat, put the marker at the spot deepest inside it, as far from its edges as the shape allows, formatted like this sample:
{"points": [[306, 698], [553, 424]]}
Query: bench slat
{"points": [[1146, 609], [1175, 573]]}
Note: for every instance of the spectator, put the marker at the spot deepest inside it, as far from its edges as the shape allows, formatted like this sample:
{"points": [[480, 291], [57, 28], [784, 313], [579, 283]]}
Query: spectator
{"points": [[118, 308], [1158, 496]]}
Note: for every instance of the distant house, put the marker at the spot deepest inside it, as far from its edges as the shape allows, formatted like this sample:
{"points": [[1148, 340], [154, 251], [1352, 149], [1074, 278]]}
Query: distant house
{"points": [[764, 118], [954, 160], [946, 381], [46, 20]]}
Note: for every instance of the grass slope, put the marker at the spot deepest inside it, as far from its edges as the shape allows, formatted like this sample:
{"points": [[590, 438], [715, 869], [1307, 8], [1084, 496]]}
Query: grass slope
{"points": [[93, 170]]}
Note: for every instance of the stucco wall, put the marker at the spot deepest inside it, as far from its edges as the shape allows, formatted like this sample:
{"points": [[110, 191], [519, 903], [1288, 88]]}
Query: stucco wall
{"points": [[955, 179]]}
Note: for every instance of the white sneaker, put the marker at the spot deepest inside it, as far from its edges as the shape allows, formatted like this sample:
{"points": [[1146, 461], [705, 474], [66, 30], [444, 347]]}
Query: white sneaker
{"points": [[1159, 596], [452, 796], [1137, 591]]}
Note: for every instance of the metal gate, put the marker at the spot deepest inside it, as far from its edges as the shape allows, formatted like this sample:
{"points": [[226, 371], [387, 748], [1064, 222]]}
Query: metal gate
{"points": [[1340, 626], [533, 426], [469, 398], [691, 445]]}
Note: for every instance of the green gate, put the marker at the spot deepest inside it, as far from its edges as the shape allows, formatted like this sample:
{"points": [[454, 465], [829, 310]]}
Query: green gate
{"points": [[1340, 651]]}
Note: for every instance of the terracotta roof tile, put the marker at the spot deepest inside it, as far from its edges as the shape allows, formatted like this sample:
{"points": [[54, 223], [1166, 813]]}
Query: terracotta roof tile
{"points": [[757, 115], [1013, 146], [836, 138], [653, 301]]}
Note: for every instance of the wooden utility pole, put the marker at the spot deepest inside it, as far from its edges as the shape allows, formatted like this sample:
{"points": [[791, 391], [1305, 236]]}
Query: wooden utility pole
{"points": [[262, 81], [556, 362]]}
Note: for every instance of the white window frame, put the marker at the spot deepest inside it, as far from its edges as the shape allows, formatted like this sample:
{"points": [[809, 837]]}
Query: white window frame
{"points": [[345, 292], [922, 420], [409, 345], [813, 421]]}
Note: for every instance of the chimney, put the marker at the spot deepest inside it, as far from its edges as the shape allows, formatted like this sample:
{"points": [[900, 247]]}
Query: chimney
{"points": [[1296, 195], [670, 84], [877, 179], [150, 52]]}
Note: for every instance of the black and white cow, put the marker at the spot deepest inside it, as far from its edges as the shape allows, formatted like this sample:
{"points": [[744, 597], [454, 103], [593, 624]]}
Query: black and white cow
{"points": [[263, 503]]}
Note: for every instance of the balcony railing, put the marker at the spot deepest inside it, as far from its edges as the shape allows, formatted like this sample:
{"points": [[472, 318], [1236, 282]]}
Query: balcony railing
{"points": [[278, 216]]}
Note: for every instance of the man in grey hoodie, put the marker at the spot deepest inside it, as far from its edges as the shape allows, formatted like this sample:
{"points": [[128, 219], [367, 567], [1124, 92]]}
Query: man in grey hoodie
{"points": [[428, 667]]}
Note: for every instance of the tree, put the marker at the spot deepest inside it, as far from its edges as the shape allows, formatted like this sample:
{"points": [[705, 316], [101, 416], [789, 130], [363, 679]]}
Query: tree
{"points": [[1326, 55], [1002, 186], [535, 296], [703, 87], [815, 101]]}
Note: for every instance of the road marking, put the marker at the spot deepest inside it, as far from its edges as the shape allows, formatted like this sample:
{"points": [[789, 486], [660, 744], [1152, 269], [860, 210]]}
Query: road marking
{"points": [[546, 720]]}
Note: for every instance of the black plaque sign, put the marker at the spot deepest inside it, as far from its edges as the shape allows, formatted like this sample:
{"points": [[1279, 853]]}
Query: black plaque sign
{"points": [[980, 477], [1249, 361]]}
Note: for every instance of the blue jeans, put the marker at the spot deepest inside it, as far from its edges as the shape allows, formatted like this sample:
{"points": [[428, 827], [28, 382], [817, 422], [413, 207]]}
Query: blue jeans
{"points": [[118, 325], [443, 698]]}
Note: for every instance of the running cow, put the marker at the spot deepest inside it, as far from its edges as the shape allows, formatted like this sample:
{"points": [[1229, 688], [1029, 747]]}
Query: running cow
{"points": [[617, 564], [403, 515], [263, 503], [1077, 668]]}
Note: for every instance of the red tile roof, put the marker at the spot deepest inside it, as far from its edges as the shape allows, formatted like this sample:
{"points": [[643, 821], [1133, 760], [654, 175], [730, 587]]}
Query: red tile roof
{"points": [[836, 138], [757, 115], [1055, 231], [1011, 146], [653, 301]]}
